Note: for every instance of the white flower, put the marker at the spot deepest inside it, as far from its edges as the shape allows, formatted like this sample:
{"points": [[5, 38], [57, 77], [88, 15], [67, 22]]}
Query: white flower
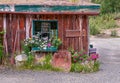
{"points": [[23, 52], [26, 44]]}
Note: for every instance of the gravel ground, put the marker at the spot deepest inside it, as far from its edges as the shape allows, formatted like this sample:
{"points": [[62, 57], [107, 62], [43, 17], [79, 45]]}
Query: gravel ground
{"points": [[109, 71]]}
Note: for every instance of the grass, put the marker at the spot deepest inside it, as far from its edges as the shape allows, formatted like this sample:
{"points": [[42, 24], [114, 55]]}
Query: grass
{"points": [[45, 66], [105, 21], [85, 68]]}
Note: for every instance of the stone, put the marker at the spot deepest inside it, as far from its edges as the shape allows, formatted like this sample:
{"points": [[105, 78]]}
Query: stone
{"points": [[20, 59], [62, 60]]}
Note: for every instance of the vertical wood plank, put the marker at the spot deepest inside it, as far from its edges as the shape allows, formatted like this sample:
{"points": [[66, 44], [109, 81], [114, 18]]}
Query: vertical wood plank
{"points": [[22, 27], [80, 38], [65, 28], [8, 33], [60, 28], [72, 28], [14, 27], [76, 39], [5, 39], [85, 29], [1, 22]]}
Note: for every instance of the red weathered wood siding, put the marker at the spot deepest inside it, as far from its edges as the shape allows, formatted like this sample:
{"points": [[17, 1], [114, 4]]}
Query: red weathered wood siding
{"points": [[1, 22], [72, 29]]}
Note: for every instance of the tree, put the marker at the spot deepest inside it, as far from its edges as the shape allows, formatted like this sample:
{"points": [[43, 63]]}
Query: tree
{"points": [[108, 6]]}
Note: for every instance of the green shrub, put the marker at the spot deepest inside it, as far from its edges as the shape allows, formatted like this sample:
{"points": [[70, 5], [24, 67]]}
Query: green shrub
{"points": [[76, 67], [86, 67], [104, 21], [108, 6], [1, 46], [81, 62], [114, 33], [96, 66], [1, 51], [45, 66]]}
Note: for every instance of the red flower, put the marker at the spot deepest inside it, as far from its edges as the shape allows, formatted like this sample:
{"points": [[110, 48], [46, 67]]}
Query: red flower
{"points": [[81, 59], [94, 56]]}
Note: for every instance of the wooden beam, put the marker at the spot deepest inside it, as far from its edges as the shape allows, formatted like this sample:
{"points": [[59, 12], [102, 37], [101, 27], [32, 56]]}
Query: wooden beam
{"points": [[73, 33], [58, 13]]}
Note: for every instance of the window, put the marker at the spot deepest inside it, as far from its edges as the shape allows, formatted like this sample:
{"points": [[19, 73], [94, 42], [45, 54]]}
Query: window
{"points": [[45, 30]]}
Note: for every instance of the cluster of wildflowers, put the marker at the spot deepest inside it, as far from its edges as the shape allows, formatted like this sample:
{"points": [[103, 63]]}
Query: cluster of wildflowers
{"points": [[82, 62], [56, 42], [42, 43], [83, 57], [35, 42], [94, 56]]}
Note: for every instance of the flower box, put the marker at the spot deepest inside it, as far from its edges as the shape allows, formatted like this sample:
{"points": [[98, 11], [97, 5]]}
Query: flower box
{"points": [[47, 49]]}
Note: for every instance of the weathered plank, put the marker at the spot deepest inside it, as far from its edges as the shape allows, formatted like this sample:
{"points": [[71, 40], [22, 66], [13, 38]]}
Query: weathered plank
{"points": [[72, 30], [85, 33], [73, 33], [1, 22]]}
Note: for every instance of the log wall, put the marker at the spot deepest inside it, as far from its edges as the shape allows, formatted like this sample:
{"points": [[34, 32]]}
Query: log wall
{"points": [[72, 30]]}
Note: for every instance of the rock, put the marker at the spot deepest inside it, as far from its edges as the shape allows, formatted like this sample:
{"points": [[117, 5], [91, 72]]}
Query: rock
{"points": [[20, 59], [62, 60]]}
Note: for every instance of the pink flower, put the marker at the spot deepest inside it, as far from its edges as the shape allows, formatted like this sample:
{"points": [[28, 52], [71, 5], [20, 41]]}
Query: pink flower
{"points": [[75, 57], [75, 61], [49, 44], [81, 59], [94, 56]]}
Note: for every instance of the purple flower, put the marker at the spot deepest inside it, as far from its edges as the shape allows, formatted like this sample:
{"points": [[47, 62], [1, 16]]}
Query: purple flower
{"points": [[49, 44], [75, 61], [81, 59]]}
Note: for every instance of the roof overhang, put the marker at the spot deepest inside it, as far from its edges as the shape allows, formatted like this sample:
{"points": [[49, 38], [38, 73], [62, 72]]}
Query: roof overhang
{"points": [[90, 9], [53, 13]]}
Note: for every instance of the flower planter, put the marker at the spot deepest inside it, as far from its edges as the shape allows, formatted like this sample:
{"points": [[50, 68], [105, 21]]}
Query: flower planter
{"points": [[47, 49]]}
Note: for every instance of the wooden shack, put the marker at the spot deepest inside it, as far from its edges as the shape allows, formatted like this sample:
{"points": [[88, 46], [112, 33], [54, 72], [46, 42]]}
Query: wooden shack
{"points": [[69, 20]]}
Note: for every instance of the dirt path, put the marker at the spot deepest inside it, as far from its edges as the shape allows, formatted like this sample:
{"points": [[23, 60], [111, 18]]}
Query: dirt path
{"points": [[108, 48]]}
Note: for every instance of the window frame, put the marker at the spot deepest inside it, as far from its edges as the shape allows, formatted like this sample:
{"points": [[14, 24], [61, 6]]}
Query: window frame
{"points": [[33, 33]]}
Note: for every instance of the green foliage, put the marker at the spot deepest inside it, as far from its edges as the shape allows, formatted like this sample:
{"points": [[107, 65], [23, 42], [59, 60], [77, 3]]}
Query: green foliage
{"points": [[105, 21], [108, 6], [76, 67], [96, 1], [1, 51], [81, 62], [30, 59], [1, 45], [88, 66], [26, 49], [79, 57], [56, 42], [45, 66], [114, 33], [96, 66], [74, 1]]}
